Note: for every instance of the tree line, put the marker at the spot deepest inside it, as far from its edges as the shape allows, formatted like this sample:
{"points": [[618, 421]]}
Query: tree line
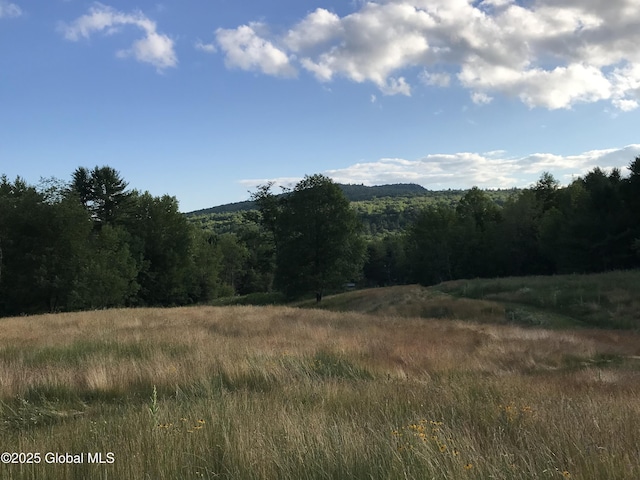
{"points": [[382, 210], [93, 243], [592, 225]]}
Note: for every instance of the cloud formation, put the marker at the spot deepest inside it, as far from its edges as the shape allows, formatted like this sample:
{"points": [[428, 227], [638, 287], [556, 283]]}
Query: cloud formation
{"points": [[154, 48], [205, 47], [547, 53], [9, 10], [245, 48], [463, 170]]}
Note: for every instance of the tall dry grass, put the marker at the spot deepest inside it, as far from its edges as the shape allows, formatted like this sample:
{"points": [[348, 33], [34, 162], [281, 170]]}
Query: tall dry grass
{"points": [[277, 392]]}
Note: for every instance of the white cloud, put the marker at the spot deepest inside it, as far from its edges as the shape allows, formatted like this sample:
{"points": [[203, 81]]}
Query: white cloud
{"points": [[316, 28], [394, 86], [548, 53], [205, 47], [481, 98], [552, 89], [496, 3], [625, 105], [374, 42], [495, 169], [9, 10], [435, 79], [244, 48], [154, 48]]}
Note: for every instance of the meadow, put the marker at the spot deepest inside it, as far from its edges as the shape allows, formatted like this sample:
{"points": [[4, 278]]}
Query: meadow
{"points": [[399, 383]]}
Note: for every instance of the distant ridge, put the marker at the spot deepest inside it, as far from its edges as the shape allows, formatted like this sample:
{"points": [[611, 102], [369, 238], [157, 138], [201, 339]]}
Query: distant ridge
{"points": [[226, 208], [358, 193], [355, 193]]}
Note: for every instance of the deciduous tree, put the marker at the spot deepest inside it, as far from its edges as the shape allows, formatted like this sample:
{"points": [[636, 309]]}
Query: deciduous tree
{"points": [[316, 235]]}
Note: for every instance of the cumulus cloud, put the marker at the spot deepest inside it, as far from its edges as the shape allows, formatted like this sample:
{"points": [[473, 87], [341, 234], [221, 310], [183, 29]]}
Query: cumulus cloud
{"points": [[314, 30], [9, 10], [495, 169], [154, 48], [548, 53], [245, 49]]}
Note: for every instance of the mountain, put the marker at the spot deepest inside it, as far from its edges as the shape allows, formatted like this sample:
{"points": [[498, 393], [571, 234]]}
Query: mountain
{"points": [[382, 209], [355, 193], [359, 193]]}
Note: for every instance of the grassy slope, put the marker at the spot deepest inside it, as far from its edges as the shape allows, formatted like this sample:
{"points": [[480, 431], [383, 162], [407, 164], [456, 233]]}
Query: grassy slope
{"points": [[287, 393], [606, 300]]}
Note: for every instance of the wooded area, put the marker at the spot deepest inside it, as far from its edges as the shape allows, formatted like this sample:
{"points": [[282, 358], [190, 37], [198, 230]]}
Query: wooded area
{"points": [[92, 243]]}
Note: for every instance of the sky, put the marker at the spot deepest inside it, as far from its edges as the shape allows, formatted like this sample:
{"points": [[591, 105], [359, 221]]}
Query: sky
{"points": [[205, 100]]}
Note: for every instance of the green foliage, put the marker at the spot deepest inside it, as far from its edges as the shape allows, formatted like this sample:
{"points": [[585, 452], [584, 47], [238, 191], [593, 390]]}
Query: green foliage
{"points": [[315, 234], [164, 248], [446, 243], [354, 193], [393, 212], [95, 245], [431, 245], [357, 193], [588, 226], [102, 192], [259, 264], [91, 243], [41, 245], [107, 277], [205, 283], [234, 256], [386, 261]]}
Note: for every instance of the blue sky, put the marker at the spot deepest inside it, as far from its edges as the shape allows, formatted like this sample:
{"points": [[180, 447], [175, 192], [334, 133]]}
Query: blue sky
{"points": [[206, 99]]}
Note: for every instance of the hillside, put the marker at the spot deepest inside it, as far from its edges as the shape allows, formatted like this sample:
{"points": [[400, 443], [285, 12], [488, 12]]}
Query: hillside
{"points": [[604, 300], [382, 209], [354, 193]]}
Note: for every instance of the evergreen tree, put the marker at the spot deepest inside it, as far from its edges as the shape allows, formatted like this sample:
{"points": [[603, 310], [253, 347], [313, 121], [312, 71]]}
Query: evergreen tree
{"points": [[102, 191]]}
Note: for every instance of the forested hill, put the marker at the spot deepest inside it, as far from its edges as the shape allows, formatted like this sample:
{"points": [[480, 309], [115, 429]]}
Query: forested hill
{"points": [[359, 193], [381, 209], [226, 208], [355, 193]]}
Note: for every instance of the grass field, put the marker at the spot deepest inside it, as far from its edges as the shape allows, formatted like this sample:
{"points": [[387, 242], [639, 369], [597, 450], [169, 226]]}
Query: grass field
{"points": [[606, 300], [402, 383]]}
